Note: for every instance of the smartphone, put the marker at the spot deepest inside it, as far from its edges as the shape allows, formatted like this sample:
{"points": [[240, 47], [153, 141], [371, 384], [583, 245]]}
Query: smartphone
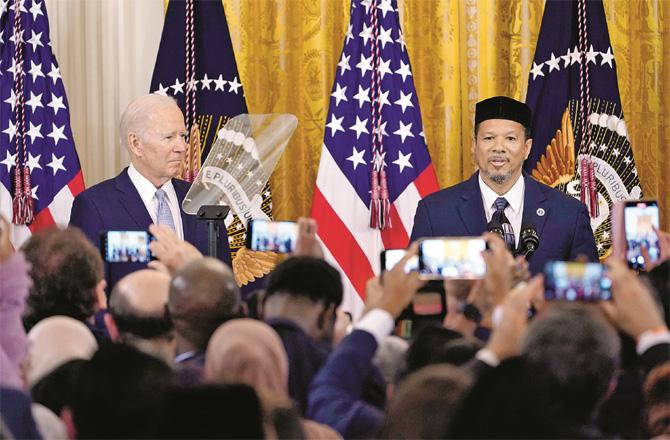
{"points": [[572, 281], [640, 219], [126, 246], [390, 257], [458, 258], [268, 236]]}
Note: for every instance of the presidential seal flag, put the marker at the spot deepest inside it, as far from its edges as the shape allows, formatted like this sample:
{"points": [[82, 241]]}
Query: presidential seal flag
{"points": [[375, 165], [39, 166], [580, 137], [196, 66]]}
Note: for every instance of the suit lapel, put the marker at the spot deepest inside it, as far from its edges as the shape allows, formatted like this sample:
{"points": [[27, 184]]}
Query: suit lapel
{"points": [[131, 201], [471, 208], [535, 208]]}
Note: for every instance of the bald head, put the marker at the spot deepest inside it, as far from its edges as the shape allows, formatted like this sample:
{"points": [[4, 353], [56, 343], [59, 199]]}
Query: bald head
{"points": [[203, 294], [54, 341]]}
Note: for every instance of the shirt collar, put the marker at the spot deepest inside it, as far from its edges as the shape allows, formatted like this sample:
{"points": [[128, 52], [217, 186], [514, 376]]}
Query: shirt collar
{"points": [[514, 196], [147, 189]]}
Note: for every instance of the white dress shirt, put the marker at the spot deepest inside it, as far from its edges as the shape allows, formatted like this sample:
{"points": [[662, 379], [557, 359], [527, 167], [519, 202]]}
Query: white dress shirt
{"points": [[514, 210], [147, 192]]}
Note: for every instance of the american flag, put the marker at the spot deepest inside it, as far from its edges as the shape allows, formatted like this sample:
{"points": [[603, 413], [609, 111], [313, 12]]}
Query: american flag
{"points": [[341, 201], [55, 172], [577, 113]]}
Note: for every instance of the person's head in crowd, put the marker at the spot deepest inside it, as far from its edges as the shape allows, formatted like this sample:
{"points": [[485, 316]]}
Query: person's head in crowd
{"points": [[657, 401], [138, 306], [575, 352], [390, 358], [153, 131], [427, 340], [424, 403], [67, 276], [54, 341], [118, 394], [247, 351], [203, 295], [55, 390], [307, 291], [457, 352], [212, 411]]}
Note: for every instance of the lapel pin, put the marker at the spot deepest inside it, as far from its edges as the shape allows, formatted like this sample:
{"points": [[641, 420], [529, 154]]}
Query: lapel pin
{"points": [[540, 212]]}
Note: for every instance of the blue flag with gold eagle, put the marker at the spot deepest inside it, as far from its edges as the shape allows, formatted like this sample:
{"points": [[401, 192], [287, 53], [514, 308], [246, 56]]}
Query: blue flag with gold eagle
{"points": [[577, 114], [196, 66]]}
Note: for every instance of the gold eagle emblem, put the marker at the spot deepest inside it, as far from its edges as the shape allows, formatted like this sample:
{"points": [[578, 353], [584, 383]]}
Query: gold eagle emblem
{"points": [[557, 165], [249, 265]]}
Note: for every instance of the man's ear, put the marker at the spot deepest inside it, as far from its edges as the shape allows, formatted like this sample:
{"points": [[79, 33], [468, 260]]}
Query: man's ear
{"points": [[134, 144], [326, 316], [100, 295], [112, 329], [529, 144], [67, 416]]}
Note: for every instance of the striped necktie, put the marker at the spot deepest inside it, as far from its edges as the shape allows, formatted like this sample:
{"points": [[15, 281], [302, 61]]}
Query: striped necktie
{"points": [[500, 218], [163, 213]]}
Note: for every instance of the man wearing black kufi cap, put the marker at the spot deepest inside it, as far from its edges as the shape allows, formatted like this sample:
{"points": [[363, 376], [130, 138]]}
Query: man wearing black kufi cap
{"points": [[501, 196]]}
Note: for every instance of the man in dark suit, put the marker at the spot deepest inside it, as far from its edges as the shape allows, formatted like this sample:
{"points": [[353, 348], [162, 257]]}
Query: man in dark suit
{"points": [[152, 129], [501, 194]]}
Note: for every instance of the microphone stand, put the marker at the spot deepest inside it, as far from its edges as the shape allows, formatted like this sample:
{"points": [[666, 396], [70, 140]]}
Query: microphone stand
{"points": [[213, 215]]}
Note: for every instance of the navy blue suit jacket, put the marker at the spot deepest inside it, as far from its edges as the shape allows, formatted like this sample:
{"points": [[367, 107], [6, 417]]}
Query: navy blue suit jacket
{"points": [[562, 222], [115, 205]]}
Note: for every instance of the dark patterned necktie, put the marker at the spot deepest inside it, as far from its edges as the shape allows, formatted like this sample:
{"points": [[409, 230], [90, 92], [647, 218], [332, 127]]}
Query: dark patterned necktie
{"points": [[500, 218]]}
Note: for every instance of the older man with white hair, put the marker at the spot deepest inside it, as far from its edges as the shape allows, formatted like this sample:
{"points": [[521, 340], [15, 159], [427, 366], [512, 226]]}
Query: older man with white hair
{"points": [[147, 191]]}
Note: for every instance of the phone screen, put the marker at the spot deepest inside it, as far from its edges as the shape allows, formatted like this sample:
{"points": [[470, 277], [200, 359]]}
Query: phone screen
{"points": [[264, 235], [640, 219], [452, 258], [126, 246], [572, 281], [391, 257]]}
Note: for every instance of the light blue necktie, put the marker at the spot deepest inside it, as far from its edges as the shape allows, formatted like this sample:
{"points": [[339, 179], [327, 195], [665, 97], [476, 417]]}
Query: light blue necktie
{"points": [[163, 213], [500, 205]]}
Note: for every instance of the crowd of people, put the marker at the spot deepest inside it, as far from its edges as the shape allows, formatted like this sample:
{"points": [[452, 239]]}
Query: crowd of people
{"points": [[176, 352]]}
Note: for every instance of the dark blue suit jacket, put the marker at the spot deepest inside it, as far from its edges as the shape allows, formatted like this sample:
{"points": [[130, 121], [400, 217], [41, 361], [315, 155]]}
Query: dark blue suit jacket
{"points": [[115, 205], [564, 228]]}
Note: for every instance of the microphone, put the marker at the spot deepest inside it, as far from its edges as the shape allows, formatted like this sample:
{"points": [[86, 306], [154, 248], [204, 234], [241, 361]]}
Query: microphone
{"points": [[528, 241], [495, 227]]}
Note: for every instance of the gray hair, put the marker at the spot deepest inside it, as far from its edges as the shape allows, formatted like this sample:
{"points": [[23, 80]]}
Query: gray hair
{"points": [[134, 118]]}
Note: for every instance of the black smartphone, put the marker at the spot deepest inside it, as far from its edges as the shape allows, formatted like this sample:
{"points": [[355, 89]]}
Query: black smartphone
{"points": [[126, 246], [640, 219], [457, 258], [269, 236], [572, 281], [390, 257]]}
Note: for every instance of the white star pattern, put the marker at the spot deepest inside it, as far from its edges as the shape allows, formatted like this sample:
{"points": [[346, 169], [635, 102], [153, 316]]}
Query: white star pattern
{"points": [[360, 127], [34, 101], [234, 85], [364, 64], [35, 70], [404, 131], [57, 133], [36, 9], [219, 83], [35, 132], [553, 63], [403, 161], [404, 101], [607, 57], [356, 158], [537, 70], [205, 81], [339, 94], [33, 192], [161, 90], [34, 162], [606, 235], [628, 160], [12, 100], [10, 130], [335, 124], [362, 96], [192, 84], [35, 40], [403, 71], [384, 68], [615, 152], [385, 36], [349, 35], [591, 55], [56, 163], [575, 56], [401, 40], [366, 33], [344, 64], [384, 100], [54, 74], [385, 6], [9, 161], [56, 103], [178, 87]]}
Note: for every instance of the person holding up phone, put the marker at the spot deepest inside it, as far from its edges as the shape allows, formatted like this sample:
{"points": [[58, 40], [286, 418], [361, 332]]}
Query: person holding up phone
{"points": [[500, 196]]}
